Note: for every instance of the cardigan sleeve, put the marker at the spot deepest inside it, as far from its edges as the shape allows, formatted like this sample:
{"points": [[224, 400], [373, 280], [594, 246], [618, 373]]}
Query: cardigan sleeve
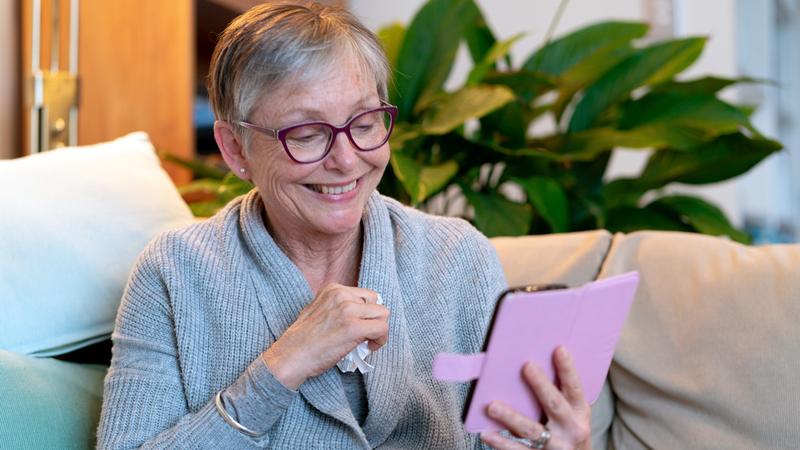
{"points": [[144, 405]]}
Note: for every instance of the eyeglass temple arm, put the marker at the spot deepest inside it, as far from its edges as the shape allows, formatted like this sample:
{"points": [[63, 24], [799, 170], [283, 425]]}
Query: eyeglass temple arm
{"points": [[269, 131]]}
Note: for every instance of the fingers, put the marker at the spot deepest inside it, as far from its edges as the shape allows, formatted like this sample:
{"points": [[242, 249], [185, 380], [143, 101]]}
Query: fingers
{"points": [[363, 295], [355, 313], [515, 422], [377, 334], [333, 297], [371, 311], [366, 301], [338, 292], [567, 410], [366, 321], [553, 404], [568, 378], [497, 441]]}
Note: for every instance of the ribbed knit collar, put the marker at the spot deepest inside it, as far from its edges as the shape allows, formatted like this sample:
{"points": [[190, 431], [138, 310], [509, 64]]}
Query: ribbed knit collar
{"points": [[284, 292]]}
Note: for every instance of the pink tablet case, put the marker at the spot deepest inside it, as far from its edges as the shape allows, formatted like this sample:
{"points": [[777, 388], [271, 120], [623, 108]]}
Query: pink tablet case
{"points": [[528, 326]]}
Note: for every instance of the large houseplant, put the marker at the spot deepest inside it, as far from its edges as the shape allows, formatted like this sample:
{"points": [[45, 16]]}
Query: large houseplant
{"points": [[600, 89]]}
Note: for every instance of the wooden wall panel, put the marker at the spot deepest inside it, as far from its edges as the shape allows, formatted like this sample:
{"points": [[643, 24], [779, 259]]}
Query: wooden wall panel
{"points": [[10, 145], [136, 73]]}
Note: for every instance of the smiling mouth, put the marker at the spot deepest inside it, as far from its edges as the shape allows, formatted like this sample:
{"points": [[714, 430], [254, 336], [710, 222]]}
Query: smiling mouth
{"points": [[333, 190]]}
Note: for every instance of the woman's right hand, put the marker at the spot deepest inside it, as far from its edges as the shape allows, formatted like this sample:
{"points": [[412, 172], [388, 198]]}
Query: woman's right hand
{"points": [[334, 323]]}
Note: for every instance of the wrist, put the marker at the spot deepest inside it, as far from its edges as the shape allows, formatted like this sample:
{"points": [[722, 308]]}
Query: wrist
{"points": [[283, 369]]}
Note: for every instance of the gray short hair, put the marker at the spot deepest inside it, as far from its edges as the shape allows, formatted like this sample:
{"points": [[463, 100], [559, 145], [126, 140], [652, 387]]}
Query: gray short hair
{"points": [[275, 43]]}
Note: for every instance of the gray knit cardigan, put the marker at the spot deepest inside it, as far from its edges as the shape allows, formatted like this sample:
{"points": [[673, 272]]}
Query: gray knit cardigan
{"points": [[205, 301]]}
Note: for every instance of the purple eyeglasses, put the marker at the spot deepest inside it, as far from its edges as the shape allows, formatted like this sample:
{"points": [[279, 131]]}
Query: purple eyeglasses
{"points": [[309, 142]]}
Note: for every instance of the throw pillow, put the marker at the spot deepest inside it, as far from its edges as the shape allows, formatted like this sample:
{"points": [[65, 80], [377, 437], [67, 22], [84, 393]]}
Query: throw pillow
{"points": [[72, 222]]}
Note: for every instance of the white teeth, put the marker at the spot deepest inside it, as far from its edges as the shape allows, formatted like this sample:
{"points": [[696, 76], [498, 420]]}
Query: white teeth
{"points": [[335, 190]]}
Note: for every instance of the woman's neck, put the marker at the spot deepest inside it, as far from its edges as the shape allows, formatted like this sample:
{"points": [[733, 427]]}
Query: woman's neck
{"points": [[322, 258]]}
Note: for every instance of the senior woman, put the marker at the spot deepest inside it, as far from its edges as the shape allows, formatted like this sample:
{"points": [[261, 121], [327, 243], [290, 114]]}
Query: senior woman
{"points": [[232, 332]]}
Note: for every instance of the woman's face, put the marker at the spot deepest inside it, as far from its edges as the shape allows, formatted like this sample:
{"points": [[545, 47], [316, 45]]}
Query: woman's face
{"points": [[326, 197]]}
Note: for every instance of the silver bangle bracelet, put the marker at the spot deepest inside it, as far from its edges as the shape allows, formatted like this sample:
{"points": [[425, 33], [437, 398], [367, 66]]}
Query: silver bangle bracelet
{"points": [[230, 421]]}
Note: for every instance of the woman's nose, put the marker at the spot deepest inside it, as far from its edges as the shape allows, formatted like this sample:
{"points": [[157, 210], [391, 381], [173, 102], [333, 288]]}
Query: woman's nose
{"points": [[343, 155]]}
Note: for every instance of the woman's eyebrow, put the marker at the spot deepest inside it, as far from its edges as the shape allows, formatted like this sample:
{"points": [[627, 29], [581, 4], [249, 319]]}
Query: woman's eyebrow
{"points": [[317, 114]]}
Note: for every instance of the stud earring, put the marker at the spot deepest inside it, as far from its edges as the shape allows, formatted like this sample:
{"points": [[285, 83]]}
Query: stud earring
{"points": [[242, 170]]}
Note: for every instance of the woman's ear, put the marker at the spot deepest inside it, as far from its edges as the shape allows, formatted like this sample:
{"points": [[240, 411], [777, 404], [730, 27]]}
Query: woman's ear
{"points": [[232, 148]]}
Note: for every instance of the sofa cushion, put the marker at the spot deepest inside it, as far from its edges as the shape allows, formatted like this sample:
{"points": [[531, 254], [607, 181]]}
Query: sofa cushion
{"points": [[709, 355], [47, 403], [72, 222], [569, 258]]}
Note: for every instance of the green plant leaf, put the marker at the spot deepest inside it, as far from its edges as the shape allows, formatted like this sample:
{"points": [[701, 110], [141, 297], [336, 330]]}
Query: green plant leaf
{"points": [[747, 110], [391, 36], [480, 38], [723, 158], [583, 56], [527, 85], [199, 168], [499, 50], [232, 187], [588, 71], [623, 192], [421, 181], [548, 200], [469, 102], [697, 111], [700, 215], [428, 50], [206, 208], [563, 53], [647, 66], [506, 126], [402, 133], [704, 85], [588, 144], [628, 219], [202, 185], [660, 120], [210, 195], [495, 215]]}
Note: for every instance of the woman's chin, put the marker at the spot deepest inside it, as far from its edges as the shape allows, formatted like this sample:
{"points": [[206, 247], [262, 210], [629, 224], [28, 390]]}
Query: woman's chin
{"points": [[339, 225]]}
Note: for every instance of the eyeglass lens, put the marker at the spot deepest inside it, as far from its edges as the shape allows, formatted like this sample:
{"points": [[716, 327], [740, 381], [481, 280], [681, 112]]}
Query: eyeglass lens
{"points": [[309, 142]]}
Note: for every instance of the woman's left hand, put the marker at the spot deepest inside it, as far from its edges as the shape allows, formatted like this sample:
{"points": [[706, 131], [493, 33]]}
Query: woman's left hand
{"points": [[568, 412]]}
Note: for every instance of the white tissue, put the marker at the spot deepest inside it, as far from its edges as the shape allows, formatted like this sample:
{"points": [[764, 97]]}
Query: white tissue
{"points": [[356, 359]]}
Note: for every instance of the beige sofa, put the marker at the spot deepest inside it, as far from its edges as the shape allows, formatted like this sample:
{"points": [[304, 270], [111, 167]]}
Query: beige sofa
{"points": [[710, 354], [709, 357]]}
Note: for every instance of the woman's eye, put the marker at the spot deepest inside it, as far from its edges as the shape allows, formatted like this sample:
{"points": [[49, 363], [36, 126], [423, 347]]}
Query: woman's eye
{"points": [[306, 138], [365, 127]]}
